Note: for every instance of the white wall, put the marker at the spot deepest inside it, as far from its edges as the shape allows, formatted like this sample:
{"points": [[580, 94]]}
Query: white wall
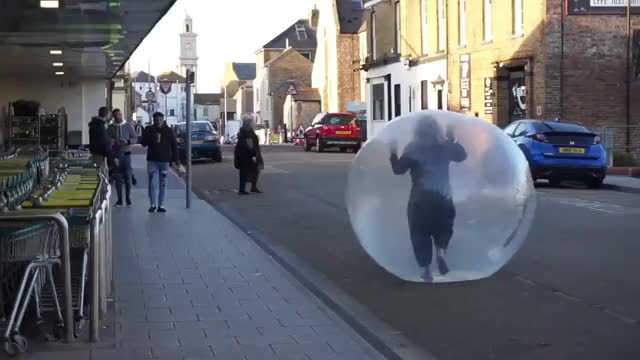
{"points": [[410, 87], [80, 99]]}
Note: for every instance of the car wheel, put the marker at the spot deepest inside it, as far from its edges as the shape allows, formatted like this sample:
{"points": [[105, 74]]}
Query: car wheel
{"points": [[595, 184], [307, 146], [217, 157], [319, 145]]}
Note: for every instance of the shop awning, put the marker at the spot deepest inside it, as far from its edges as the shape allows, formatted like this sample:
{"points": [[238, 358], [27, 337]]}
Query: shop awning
{"points": [[81, 38]]}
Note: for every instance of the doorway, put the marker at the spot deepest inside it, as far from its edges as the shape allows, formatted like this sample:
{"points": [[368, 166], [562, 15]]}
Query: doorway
{"points": [[517, 95]]}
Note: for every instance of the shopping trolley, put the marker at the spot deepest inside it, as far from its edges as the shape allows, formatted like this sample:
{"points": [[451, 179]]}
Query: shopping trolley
{"points": [[28, 252]]}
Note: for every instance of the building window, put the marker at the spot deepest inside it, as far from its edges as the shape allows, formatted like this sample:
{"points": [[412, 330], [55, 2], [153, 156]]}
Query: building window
{"points": [[374, 52], [205, 111], [307, 55], [188, 28], [462, 22], [423, 27], [172, 112], [398, 21], [377, 95], [424, 94], [440, 99], [301, 32], [442, 31], [486, 20], [397, 100], [518, 18]]}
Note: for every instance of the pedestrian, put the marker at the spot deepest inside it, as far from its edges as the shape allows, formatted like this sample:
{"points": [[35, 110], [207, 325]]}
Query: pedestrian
{"points": [[162, 150], [99, 144], [430, 209], [122, 135], [139, 128], [248, 157]]}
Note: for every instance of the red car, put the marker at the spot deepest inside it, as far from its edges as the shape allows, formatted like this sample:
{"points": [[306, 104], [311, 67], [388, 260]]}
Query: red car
{"points": [[330, 130]]}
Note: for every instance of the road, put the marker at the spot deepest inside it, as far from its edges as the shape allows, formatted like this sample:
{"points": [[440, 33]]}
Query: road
{"points": [[572, 292]]}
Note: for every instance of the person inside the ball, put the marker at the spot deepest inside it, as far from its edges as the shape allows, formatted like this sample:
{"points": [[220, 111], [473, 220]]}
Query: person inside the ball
{"points": [[430, 210]]}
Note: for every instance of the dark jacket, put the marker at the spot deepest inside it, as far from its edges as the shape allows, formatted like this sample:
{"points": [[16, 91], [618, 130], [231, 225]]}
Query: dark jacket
{"points": [[161, 144], [99, 143], [245, 156]]}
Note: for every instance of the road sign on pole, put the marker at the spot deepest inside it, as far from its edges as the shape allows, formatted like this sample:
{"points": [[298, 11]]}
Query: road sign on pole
{"points": [[150, 96], [292, 90], [165, 86]]}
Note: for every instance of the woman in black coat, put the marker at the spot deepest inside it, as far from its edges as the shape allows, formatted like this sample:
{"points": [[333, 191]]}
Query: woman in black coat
{"points": [[248, 158]]}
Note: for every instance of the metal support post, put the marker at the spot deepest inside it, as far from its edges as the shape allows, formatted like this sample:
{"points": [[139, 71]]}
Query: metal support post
{"points": [[190, 76]]}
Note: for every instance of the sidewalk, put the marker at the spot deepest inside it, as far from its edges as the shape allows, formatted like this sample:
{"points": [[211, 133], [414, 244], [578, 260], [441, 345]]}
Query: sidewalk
{"points": [[190, 285], [622, 183]]}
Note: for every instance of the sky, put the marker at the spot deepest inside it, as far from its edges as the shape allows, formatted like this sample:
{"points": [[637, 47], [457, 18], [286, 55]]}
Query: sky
{"points": [[227, 31]]}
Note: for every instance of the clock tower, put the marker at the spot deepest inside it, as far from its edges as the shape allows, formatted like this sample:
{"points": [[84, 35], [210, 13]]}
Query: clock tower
{"points": [[188, 50]]}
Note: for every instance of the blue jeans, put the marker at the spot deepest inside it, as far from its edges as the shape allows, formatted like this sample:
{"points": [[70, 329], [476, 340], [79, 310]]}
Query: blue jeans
{"points": [[123, 176], [157, 173]]}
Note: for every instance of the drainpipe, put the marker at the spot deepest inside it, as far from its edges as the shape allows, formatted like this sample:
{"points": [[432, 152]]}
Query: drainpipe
{"points": [[564, 8], [628, 82]]}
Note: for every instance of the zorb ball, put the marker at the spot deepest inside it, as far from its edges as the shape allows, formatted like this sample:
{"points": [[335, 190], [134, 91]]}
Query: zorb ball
{"points": [[440, 197]]}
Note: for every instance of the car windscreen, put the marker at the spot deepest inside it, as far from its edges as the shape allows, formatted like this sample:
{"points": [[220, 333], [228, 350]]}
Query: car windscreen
{"points": [[550, 126], [201, 127], [339, 119]]}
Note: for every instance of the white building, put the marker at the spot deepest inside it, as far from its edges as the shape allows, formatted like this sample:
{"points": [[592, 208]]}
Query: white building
{"points": [[174, 104], [207, 108]]}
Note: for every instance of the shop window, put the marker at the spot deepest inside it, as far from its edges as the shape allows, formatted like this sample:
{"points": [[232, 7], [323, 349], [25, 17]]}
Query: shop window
{"points": [[397, 100], [518, 17], [486, 19], [398, 38], [462, 22], [424, 92], [377, 95], [424, 27]]}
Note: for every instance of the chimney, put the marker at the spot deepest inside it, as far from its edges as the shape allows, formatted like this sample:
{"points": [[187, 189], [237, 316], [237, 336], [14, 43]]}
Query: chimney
{"points": [[286, 44], [314, 15]]}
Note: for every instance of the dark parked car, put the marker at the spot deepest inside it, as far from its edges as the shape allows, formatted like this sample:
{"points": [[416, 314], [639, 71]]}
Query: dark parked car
{"points": [[559, 150], [328, 130], [205, 142]]}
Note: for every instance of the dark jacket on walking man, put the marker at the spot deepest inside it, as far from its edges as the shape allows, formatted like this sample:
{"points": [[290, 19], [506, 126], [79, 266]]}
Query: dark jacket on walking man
{"points": [[248, 157], [99, 143], [162, 150]]}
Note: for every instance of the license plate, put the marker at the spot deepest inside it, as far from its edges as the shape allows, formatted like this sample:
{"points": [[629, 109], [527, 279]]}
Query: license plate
{"points": [[569, 150], [343, 132], [196, 142]]}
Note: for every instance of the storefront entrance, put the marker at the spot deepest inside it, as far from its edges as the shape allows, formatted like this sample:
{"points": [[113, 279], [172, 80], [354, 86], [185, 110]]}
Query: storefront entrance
{"points": [[518, 95]]}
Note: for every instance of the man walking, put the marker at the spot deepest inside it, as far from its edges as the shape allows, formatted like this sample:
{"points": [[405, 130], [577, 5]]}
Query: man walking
{"points": [[162, 149], [99, 144], [122, 135]]}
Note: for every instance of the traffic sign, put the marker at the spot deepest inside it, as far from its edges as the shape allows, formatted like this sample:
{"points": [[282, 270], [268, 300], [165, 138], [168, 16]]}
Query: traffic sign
{"points": [[292, 90], [150, 96], [300, 131], [165, 86]]}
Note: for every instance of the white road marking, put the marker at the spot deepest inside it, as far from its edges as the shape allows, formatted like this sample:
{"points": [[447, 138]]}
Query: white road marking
{"points": [[588, 204]]}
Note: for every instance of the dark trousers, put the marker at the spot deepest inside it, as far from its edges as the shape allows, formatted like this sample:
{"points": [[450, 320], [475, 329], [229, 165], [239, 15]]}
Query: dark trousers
{"points": [[431, 216], [248, 175], [123, 177]]}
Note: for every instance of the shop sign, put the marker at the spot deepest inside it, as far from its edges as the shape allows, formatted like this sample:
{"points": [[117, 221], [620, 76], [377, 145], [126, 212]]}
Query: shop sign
{"points": [[601, 7], [465, 82], [488, 95]]}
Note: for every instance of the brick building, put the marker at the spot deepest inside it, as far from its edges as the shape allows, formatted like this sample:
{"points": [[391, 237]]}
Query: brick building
{"points": [[543, 60], [300, 109], [290, 67], [337, 23], [300, 38]]}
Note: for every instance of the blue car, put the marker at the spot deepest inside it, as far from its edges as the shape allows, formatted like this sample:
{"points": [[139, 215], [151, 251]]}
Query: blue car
{"points": [[205, 142], [559, 150]]}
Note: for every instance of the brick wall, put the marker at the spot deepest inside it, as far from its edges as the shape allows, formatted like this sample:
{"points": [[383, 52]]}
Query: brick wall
{"points": [[309, 110], [486, 56], [290, 66], [348, 80]]}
